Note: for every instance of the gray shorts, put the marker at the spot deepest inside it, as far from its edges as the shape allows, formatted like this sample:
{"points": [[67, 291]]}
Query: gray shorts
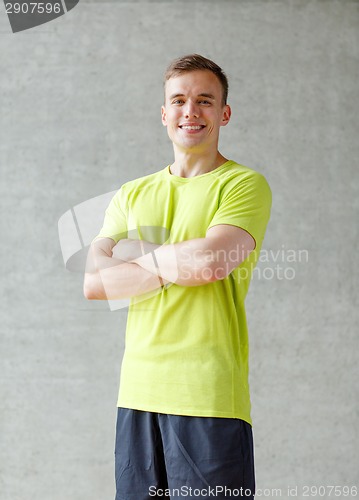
{"points": [[175, 457]]}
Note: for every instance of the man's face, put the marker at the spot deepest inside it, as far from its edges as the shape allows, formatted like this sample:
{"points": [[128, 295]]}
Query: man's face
{"points": [[194, 110]]}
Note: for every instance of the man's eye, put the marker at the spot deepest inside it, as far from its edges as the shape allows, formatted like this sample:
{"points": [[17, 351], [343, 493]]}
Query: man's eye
{"points": [[178, 101], [203, 101]]}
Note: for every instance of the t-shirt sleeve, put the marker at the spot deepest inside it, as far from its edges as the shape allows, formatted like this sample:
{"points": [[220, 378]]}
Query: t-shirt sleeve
{"points": [[115, 220], [246, 203]]}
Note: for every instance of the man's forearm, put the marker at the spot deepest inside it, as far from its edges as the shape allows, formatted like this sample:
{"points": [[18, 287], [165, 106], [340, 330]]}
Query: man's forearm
{"points": [[188, 263], [114, 279]]}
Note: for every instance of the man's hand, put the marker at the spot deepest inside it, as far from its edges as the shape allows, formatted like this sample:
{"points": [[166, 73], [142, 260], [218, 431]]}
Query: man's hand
{"points": [[128, 249]]}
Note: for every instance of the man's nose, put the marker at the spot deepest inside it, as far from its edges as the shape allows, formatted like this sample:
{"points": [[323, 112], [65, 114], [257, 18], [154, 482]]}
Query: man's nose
{"points": [[191, 109]]}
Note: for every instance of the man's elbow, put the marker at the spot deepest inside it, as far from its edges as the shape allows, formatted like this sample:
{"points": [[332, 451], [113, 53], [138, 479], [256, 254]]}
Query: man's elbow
{"points": [[220, 269], [88, 292], [91, 288], [219, 273], [214, 271]]}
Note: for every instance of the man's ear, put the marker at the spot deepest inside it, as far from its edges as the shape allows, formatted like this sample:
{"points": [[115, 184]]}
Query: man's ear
{"points": [[164, 116], [226, 115]]}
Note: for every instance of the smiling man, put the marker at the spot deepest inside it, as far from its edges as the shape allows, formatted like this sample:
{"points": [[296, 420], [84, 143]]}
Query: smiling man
{"points": [[182, 244]]}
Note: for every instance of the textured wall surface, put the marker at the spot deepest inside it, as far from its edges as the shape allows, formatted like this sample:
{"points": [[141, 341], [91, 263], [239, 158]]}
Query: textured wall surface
{"points": [[80, 101]]}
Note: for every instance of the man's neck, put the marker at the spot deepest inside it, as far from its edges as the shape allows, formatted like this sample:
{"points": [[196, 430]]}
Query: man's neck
{"points": [[191, 165]]}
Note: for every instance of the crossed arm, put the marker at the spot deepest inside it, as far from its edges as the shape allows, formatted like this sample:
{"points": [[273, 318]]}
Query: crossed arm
{"points": [[133, 267]]}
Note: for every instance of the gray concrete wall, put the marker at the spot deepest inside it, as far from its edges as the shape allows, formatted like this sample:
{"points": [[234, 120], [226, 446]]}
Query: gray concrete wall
{"points": [[80, 100]]}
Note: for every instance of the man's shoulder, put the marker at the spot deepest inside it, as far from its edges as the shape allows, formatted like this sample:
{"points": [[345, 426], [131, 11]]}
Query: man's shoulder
{"points": [[235, 168], [144, 180], [239, 173]]}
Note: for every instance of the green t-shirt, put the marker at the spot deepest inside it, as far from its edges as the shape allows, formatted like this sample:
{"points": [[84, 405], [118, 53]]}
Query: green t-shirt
{"points": [[186, 348]]}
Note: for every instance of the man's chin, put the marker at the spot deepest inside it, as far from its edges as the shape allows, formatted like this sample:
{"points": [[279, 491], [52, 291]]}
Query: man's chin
{"points": [[189, 142]]}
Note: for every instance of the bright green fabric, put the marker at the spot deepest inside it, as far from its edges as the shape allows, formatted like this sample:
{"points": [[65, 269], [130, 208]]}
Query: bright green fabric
{"points": [[187, 347]]}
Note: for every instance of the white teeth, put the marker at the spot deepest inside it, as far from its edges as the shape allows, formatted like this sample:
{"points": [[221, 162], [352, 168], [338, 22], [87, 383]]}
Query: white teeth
{"points": [[189, 127]]}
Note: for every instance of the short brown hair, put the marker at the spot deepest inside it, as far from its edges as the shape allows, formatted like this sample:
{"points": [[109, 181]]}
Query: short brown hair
{"points": [[194, 62]]}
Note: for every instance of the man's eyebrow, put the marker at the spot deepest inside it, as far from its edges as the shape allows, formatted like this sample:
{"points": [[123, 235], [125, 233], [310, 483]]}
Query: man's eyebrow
{"points": [[176, 95], [209, 96], [204, 94]]}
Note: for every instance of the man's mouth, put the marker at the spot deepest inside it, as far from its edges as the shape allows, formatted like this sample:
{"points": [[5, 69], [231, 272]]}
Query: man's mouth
{"points": [[191, 127]]}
